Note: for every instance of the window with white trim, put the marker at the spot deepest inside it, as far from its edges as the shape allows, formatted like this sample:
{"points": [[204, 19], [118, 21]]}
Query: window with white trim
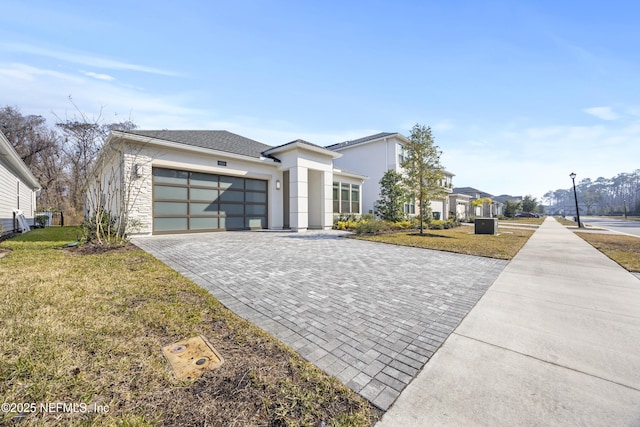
{"points": [[346, 198]]}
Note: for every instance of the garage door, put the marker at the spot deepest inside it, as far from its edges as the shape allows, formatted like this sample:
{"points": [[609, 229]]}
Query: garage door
{"points": [[195, 202]]}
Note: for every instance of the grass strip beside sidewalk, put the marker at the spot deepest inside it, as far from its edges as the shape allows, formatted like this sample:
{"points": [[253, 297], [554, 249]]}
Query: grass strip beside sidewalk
{"points": [[88, 329], [625, 250], [461, 239]]}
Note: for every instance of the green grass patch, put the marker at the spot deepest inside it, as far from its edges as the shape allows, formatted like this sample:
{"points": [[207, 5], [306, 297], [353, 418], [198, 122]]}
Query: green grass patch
{"points": [[625, 250], [460, 240], [88, 329]]}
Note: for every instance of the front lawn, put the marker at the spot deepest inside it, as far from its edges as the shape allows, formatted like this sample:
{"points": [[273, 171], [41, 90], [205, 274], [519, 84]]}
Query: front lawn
{"points": [[87, 329], [460, 240], [625, 250]]}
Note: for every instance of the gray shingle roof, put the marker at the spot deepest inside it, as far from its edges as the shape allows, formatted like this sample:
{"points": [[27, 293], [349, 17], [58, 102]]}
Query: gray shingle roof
{"points": [[470, 191], [299, 141], [360, 140], [220, 140]]}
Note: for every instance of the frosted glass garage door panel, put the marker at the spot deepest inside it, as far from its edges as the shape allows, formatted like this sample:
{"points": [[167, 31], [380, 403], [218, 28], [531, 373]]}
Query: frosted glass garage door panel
{"points": [[170, 208], [256, 185], [232, 196], [255, 197], [256, 222], [234, 223], [203, 194], [256, 210], [231, 209], [166, 192], [231, 182], [204, 180], [170, 176], [203, 223], [203, 209], [170, 224]]}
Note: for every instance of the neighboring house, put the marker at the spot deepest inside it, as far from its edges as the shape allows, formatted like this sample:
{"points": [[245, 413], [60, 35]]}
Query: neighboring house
{"points": [[194, 181], [460, 205], [486, 209], [18, 187], [374, 155]]}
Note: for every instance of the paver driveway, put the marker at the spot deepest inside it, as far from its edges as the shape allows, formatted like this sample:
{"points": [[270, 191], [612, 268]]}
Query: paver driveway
{"points": [[371, 314]]}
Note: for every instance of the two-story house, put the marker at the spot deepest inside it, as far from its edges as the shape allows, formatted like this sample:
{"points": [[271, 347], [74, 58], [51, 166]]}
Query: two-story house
{"points": [[374, 155]]}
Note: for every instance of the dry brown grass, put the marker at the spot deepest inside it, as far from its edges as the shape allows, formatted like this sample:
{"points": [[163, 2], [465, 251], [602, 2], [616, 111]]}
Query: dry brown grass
{"points": [[88, 329], [461, 240], [625, 250], [526, 221]]}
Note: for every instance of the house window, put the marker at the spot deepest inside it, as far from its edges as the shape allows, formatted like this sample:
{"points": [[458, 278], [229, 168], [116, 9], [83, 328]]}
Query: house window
{"points": [[410, 208], [346, 198], [355, 199], [336, 197], [401, 154]]}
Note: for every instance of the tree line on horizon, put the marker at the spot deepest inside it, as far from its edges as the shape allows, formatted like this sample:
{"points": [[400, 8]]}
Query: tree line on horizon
{"points": [[602, 196], [59, 156]]}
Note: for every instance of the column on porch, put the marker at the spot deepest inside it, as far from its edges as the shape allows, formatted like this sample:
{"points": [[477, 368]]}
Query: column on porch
{"points": [[327, 200], [299, 198]]}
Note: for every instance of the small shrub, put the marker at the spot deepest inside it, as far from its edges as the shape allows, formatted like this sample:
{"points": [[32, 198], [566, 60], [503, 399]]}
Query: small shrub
{"points": [[42, 220], [436, 224], [346, 225], [415, 223], [403, 225], [104, 229], [375, 226]]}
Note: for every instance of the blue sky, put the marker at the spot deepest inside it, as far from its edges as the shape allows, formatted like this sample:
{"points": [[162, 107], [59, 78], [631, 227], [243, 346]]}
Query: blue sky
{"points": [[518, 93]]}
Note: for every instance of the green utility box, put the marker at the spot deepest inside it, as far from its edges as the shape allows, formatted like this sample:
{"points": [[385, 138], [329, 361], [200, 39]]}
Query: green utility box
{"points": [[486, 225]]}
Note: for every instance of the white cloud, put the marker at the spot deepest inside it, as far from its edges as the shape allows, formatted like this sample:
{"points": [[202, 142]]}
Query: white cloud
{"points": [[604, 113], [98, 75], [27, 72], [46, 92], [85, 59], [535, 160]]}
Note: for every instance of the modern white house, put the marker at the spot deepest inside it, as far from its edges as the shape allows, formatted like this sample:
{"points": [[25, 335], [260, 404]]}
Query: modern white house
{"points": [[18, 188], [373, 156], [484, 209], [181, 181]]}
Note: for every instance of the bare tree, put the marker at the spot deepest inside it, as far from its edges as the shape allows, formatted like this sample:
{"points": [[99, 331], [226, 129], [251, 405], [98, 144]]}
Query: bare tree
{"points": [[83, 137], [40, 149]]}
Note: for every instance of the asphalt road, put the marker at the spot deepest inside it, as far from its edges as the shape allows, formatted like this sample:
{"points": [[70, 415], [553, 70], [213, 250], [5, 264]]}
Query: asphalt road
{"points": [[614, 224]]}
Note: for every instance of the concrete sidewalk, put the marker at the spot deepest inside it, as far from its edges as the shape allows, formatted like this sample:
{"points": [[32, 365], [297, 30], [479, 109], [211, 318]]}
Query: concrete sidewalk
{"points": [[554, 341]]}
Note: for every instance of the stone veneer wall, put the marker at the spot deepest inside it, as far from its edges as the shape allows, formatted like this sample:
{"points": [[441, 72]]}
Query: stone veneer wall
{"points": [[138, 185]]}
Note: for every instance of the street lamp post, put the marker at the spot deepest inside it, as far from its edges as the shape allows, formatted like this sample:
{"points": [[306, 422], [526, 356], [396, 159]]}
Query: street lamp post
{"points": [[575, 196]]}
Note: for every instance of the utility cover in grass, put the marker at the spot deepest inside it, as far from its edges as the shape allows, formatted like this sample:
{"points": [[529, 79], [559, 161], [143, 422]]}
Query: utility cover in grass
{"points": [[189, 358]]}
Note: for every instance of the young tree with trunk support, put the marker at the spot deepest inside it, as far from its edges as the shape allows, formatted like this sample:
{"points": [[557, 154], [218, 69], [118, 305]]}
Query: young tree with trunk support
{"points": [[423, 173]]}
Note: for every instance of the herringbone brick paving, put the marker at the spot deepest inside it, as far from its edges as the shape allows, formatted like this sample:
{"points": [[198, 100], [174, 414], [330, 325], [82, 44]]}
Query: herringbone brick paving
{"points": [[371, 314]]}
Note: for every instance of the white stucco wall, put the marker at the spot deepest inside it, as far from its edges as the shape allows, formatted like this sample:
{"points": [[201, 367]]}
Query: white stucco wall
{"points": [[372, 159]]}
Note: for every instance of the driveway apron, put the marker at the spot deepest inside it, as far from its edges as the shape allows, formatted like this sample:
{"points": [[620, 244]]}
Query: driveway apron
{"points": [[368, 313]]}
